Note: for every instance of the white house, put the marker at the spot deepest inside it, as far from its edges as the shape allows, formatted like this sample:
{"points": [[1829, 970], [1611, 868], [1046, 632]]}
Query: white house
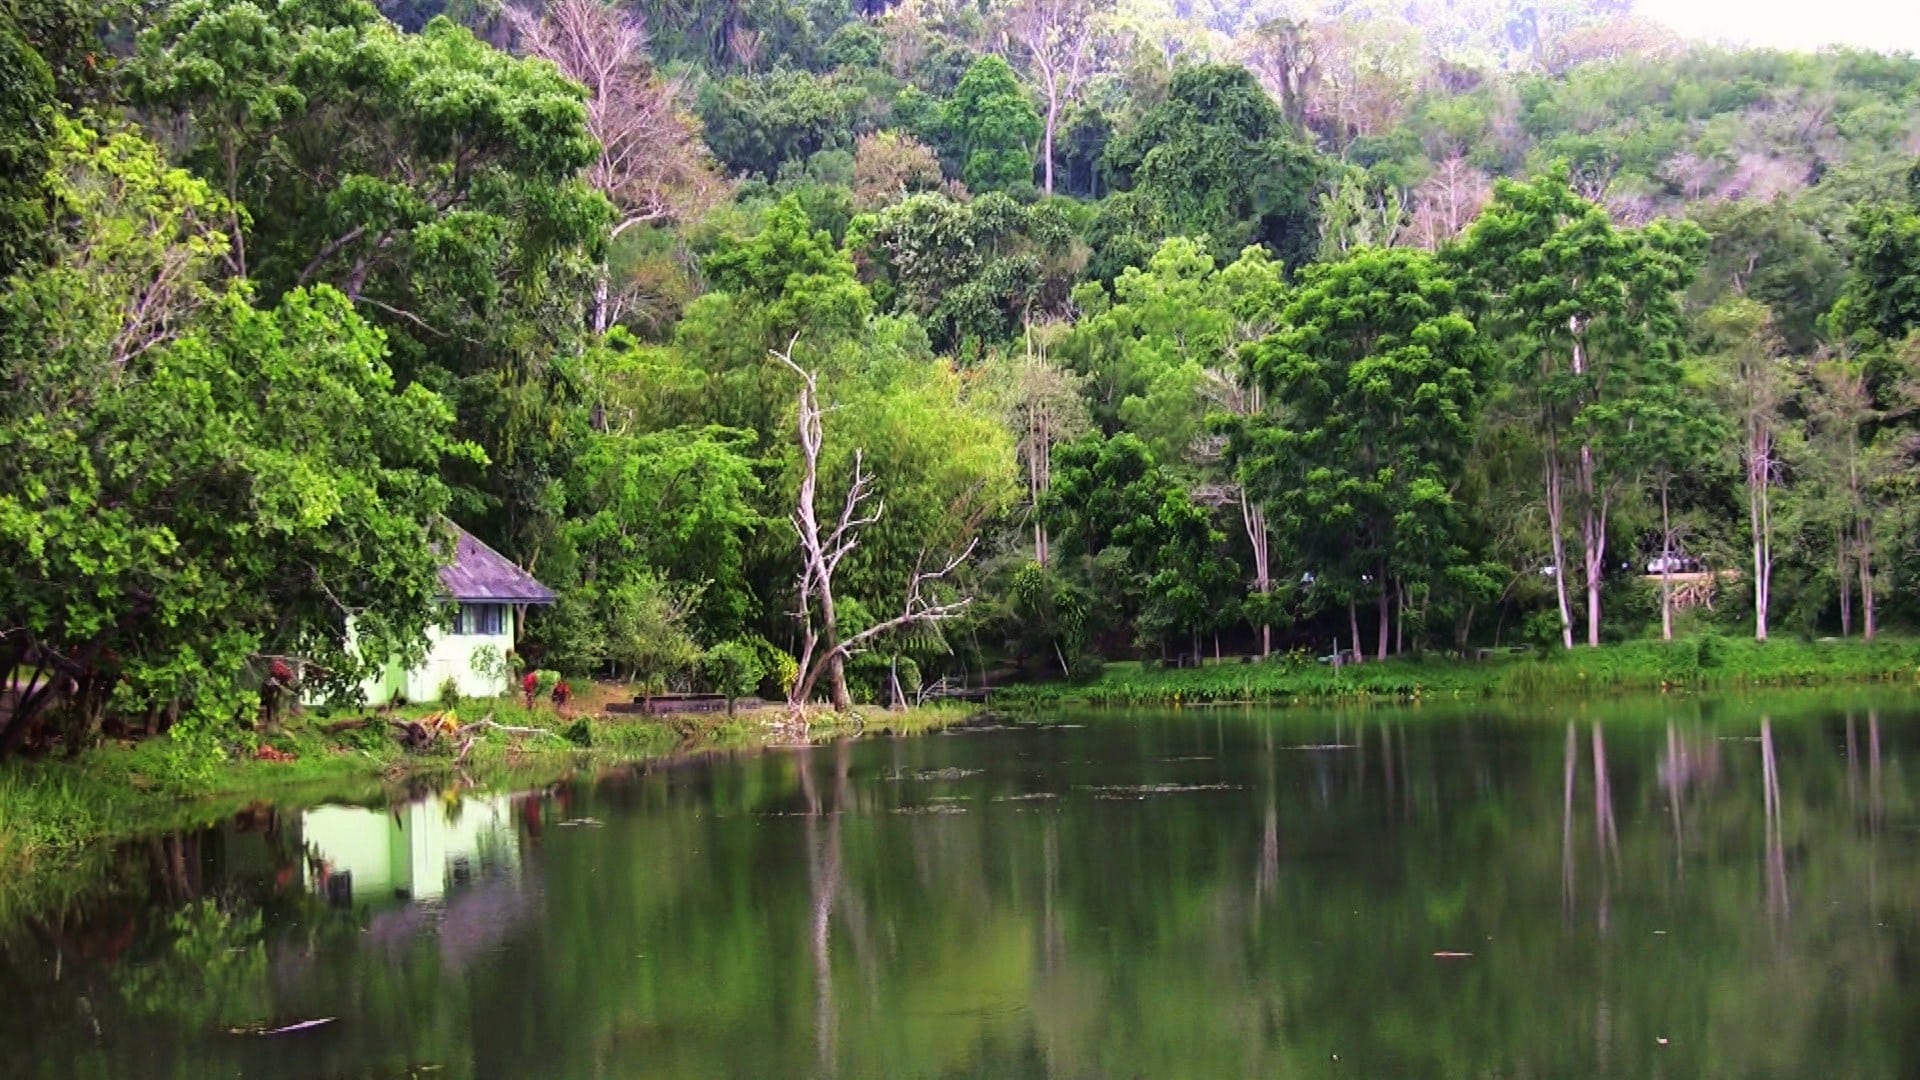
{"points": [[489, 595]]}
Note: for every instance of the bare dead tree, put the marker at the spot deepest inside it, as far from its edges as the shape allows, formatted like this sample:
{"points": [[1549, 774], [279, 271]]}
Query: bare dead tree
{"points": [[823, 652], [1446, 202], [652, 163], [1058, 36]]}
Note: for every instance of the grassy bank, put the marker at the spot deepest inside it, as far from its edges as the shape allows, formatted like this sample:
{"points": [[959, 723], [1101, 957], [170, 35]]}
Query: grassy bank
{"points": [[1695, 664], [55, 814]]}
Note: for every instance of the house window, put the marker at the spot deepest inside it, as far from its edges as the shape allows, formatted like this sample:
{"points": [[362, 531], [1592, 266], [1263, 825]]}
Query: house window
{"points": [[480, 619]]}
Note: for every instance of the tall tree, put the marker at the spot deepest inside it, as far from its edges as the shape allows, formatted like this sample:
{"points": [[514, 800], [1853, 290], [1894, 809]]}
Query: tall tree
{"points": [[991, 127], [430, 178], [1040, 402], [1217, 158], [196, 482], [1383, 377], [824, 648], [651, 164], [1588, 313], [1752, 381], [1058, 36]]}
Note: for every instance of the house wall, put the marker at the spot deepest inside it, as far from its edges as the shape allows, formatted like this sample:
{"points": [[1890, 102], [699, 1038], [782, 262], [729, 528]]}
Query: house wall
{"points": [[450, 655]]}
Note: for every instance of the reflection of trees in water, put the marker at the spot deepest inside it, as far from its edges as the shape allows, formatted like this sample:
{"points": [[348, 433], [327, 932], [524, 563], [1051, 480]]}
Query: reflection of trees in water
{"points": [[773, 917]]}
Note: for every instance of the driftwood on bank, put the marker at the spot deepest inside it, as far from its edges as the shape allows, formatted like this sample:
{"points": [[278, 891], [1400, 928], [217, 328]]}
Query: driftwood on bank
{"points": [[421, 735]]}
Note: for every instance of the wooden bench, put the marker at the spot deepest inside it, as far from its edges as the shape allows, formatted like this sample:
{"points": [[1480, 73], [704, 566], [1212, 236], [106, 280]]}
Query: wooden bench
{"points": [[663, 704]]}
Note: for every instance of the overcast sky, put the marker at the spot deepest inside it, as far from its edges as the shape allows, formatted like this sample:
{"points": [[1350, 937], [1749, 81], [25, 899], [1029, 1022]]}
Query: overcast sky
{"points": [[1809, 24]]}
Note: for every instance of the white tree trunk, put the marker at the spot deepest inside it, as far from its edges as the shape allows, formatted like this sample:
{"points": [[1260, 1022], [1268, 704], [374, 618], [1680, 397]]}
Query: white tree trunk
{"points": [[1556, 527]]}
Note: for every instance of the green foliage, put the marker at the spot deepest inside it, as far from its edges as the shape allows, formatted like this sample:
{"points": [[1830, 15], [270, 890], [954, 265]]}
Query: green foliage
{"points": [[449, 696], [990, 126], [229, 480], [26, 127], [430, 178], [970, 271], [793, 276], [733, 668], [370, 283], [1217, 160], [755, 123], [1383, 379], [780, 667], [1640, 665], [490, 664], [1148, 549], [1881, 302]]}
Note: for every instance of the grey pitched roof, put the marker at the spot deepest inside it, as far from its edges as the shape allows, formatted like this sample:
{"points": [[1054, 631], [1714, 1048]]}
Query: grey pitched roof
{"points": [[479, 573]]}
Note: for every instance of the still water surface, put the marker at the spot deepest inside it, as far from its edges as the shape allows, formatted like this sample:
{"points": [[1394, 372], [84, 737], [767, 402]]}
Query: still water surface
{"points": [[1653, 888]]}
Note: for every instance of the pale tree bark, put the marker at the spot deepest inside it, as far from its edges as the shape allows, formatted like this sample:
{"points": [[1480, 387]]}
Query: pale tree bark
{"points": [[1757, 391], [1043, 406], [1863, 560], [1245, 398], [1353, 632], [652, 165], [1253, 515], [1446, 202], [1666, 563], [1384, 603], [1760, 519], [1595, 497], [823, 651], [1843, 409], [1556, 528], [1843, 580], [1058, 36]]}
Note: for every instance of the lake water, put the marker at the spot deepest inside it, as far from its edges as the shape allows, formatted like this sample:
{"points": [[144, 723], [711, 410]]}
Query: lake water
{"points": [[1676, 887]]}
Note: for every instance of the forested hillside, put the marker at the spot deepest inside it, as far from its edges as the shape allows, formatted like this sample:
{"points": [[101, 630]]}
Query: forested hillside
{"points": [[827, 342]]}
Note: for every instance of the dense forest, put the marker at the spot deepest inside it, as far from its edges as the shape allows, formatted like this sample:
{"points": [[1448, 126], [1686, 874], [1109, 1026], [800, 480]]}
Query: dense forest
{"points": [[825, 344]]}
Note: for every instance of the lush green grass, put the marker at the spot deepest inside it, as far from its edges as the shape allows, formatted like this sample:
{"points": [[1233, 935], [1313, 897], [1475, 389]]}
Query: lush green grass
{"points": [[1697, 663], [55, 814]]}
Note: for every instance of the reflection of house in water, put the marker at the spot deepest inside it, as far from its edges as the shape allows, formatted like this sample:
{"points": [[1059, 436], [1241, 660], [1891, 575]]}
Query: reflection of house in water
{"points": [[413, 852]]}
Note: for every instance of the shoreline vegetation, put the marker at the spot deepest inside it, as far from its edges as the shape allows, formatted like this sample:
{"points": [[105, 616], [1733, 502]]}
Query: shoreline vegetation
{"points": [[58, 816], [1707, 662], [53, 812]]}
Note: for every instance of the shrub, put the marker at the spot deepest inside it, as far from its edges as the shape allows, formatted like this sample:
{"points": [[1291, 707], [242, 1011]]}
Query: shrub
{"points": [[733, 668], [1709, 652], [449, 692], [544, 680], [491, 665]]}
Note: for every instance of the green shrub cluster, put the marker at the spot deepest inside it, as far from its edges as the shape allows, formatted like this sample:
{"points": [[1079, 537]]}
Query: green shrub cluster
{"points": [[1704, 662]]}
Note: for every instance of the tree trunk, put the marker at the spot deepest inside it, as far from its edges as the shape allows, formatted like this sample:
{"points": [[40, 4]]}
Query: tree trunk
{"points": [[1556, 521], [837, 682], [1666, 566], [1386, 619], [1353, 628], [1593, 539], [1400, 618], [1253, 515], [1046, 144], [1842, 577], [1863, 556], [1760, 523]]}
